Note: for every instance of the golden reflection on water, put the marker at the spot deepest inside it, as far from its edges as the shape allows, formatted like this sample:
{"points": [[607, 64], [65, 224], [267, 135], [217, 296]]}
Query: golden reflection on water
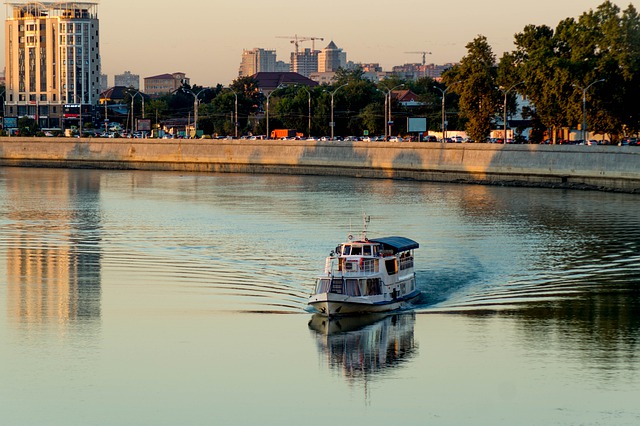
{"points": [[52, 247]]}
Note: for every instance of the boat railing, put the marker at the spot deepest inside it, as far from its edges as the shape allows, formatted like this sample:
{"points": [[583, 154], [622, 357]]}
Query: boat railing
{"points": [[358, 266], [406, 262]]}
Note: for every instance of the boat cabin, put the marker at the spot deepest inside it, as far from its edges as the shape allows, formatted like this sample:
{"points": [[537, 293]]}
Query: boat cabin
{"points": [[358, 248]]}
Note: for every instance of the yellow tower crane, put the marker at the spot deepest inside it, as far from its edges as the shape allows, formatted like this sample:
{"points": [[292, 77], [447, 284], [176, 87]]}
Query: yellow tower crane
{"points": [[296, 39]]}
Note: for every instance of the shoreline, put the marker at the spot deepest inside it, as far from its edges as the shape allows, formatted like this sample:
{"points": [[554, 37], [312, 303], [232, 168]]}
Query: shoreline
{"points": [[602, 167]]}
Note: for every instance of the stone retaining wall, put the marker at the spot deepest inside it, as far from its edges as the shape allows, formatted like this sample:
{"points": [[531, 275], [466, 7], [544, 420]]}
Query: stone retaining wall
{"points": [[599, 167]]}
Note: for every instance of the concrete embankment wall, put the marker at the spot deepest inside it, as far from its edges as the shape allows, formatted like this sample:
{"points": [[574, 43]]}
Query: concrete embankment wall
{"points": [[602, 167]]}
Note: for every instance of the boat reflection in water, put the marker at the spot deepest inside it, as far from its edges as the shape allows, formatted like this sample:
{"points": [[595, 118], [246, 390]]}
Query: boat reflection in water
{"points": [[363, 346]]}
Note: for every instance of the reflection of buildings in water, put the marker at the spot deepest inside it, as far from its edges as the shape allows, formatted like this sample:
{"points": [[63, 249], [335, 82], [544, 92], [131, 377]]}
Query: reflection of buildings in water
{"points": [[53, 258], [602, 330], [362, 346]]}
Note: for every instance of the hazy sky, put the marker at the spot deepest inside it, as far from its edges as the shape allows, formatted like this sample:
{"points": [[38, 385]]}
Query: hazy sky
{"points": [[205, 39]]}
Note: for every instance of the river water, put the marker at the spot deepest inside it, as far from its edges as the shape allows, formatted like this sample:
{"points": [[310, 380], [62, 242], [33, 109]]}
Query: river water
{"points": [[145, 298]]}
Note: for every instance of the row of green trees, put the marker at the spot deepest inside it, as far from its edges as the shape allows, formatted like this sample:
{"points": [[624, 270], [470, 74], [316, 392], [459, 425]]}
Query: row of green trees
{"points": [[552, 68], [555, 69]]}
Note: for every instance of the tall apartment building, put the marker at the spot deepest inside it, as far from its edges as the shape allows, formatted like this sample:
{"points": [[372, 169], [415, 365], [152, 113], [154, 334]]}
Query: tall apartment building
{"points": [[257, 60], [127, 79], [52, 54], [304, 62], [104, 82], [331, 58]]}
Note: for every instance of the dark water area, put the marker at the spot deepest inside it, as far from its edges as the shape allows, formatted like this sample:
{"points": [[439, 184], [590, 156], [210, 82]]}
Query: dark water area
{"points": [[133, 297]]}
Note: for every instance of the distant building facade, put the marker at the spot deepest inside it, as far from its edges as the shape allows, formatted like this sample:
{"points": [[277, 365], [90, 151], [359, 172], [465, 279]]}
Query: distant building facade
{"points": [[257, 60], [406, 98], [305, 62], [52, 53], [416, 71], [282, 66], [331, 58], [323, 77], [371, 67], [164, 83], [127, 79], [104, 82]]}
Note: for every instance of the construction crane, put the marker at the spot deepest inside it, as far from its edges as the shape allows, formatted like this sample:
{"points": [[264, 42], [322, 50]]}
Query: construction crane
{"points": [[299, 39], [424, 56]]}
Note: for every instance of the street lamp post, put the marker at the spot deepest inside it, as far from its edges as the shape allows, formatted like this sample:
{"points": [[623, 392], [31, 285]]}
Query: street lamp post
{"points": [[268, 96], [3, 106], [387, 110], [196, 102], [133, 97], [390, 122], [333, 123], [309, 116], [506, 92], [444, 117], [106, 117], [584, 106], [235, 120]]}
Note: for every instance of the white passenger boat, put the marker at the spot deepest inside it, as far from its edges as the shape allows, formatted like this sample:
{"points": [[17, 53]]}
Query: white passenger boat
{"points": [[367, 276]]}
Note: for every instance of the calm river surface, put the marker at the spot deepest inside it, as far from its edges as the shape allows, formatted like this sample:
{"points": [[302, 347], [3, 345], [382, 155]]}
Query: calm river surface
{"points": [[144, 298]]}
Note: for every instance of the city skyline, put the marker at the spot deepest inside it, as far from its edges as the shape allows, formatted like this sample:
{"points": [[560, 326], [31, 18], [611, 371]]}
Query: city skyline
{"points": [[205, 41]]}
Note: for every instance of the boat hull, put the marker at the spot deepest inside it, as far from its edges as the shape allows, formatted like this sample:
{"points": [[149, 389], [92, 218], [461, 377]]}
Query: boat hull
{"points": [[331, 305]]}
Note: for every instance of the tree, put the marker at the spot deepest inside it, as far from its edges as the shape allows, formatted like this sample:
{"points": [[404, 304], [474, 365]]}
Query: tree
{"points": [[547, 80], [351, 101], [27, 126], [431, 101], [479, 98], [558, 65], [218, 107]]}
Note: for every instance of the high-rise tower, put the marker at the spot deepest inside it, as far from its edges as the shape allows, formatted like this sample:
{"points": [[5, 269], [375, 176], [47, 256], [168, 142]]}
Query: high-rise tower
{"points": [[331, 58], [304, 62], [257, 60], [52, 56]]}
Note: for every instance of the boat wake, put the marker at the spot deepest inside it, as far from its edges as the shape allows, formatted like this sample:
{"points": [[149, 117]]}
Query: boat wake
{"points": [[478, 289]]}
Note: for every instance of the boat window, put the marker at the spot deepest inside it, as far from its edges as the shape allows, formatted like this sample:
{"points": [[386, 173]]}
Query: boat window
{"points": [[373, 286], [346, 250], [392, 266], [366, 250], [352, 288], [356, 250], [337, 286], [323, 286]]}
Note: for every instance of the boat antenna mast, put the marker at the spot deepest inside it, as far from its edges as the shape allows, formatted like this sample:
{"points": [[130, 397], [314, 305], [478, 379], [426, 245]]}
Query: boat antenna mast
{"points": [[365, 221]]}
